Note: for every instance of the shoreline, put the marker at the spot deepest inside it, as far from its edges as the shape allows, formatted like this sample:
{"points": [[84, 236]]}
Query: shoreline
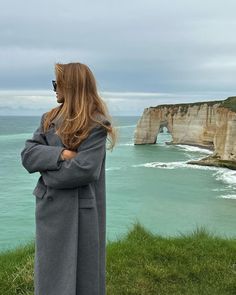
{"points": [[212, 161], [207, 147], [209, 160]]}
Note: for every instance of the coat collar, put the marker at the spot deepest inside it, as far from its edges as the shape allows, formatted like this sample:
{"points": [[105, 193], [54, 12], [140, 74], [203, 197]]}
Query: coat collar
{"points": [[55, 122]]}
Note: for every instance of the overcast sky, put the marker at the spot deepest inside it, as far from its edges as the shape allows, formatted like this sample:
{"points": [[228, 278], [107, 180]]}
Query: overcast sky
{"points": [[142, 53]]}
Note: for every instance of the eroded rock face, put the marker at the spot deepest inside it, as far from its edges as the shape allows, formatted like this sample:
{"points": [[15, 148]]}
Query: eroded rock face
{"points": [[225, 136], [209, 124]]}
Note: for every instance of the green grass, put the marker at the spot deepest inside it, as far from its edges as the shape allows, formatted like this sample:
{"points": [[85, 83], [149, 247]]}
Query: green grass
{"points": [[16, 270], [141, 263], [230, 103]]}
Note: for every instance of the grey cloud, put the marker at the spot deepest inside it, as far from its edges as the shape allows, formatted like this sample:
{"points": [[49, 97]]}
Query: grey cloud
{"points": [[136, 46]]}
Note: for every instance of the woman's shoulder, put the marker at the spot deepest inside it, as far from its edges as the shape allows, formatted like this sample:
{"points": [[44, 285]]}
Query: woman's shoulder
{"points": [[102, 120]]}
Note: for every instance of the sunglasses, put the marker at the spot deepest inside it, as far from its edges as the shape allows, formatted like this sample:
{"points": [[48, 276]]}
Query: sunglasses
{"points": [[54, 83]]}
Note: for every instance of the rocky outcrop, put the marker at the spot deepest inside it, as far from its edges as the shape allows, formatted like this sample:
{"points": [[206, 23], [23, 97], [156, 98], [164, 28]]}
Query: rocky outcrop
{"points": [[208, 124]]}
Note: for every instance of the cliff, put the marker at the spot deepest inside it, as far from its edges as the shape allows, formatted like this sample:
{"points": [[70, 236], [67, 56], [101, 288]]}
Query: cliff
{"points": [[208, 124]]}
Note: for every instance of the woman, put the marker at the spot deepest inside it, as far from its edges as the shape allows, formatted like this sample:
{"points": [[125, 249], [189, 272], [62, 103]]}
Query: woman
{"points": [[69, 151]]}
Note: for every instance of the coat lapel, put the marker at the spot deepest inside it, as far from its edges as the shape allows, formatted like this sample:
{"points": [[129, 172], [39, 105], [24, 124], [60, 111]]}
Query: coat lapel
{"points": [[51, 136]]}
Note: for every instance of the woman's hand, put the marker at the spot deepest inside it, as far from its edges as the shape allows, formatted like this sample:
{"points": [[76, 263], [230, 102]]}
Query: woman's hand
{"points": [[68, 154]]}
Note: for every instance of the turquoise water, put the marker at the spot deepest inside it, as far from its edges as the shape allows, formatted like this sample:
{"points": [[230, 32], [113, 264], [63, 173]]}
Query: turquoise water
{"points": [[167, 199]]}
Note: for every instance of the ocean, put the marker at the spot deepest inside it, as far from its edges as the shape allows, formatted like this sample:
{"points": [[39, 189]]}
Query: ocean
{"points": [[148, 183]]}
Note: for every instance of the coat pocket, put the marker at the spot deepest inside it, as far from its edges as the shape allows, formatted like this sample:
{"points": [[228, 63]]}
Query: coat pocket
{"points": [[40, 190], [86, 196], [87, 203]]}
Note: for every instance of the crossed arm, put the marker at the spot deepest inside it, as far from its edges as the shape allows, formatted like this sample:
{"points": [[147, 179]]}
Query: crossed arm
{"points": [[84, 168], [37, 155]]}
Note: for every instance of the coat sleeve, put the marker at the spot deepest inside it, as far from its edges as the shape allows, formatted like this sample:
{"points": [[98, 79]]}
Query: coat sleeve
{"points": [[85, 167], [37, 156]]}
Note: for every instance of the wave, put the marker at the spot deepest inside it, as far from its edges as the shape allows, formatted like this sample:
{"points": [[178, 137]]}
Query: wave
{"points": [[232, 197], [113, 168], [227, 177], [174, 165], [127, 143], [190, 148], [160, 144], [182, 147], [149, 144], [220, 189]]}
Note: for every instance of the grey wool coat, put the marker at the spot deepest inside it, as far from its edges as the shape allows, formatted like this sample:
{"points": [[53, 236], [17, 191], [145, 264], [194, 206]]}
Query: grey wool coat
{"points": [[70, 213]]}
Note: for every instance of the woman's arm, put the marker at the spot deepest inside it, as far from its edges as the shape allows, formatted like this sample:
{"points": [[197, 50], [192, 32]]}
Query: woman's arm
{"points": [[37, 156], [84, 168]]}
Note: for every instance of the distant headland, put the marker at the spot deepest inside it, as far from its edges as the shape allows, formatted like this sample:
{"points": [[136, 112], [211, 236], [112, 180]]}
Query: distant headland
{"points": [[206, 124]]}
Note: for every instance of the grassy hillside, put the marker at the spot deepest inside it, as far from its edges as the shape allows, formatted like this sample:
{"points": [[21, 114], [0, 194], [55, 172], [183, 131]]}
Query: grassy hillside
{"points": [[142, 263], [230, 103]]}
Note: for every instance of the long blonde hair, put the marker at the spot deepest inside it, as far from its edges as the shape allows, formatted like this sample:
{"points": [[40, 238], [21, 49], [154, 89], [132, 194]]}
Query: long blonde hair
{"points": [[82, 106]]}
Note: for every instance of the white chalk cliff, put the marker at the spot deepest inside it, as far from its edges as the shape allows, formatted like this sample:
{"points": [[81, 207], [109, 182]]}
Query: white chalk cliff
{"points": [[208, 124]]}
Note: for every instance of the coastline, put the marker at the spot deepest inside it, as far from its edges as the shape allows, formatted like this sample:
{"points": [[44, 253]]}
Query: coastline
{"points": [[210, 160], [214, 161], [206, 124], [207, 147]]}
